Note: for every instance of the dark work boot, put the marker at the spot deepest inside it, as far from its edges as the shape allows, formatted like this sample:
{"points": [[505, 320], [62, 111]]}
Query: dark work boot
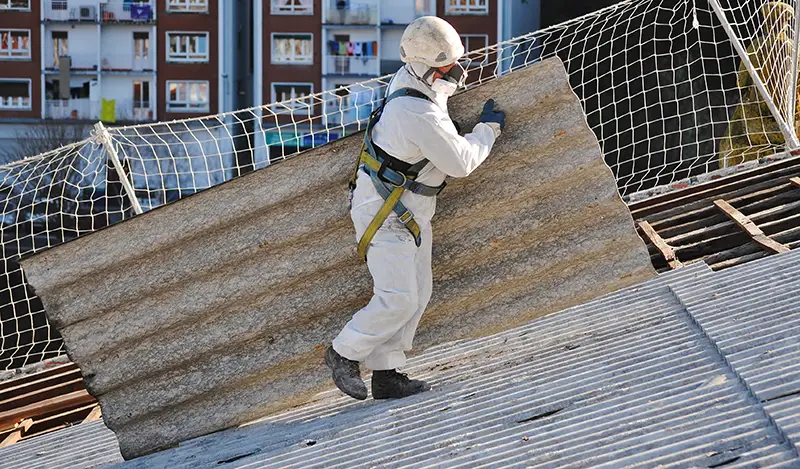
{"points": [[346, 375], [389, 384]]}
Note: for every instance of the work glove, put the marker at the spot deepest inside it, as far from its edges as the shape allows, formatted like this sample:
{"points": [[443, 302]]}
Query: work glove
{"points": [[490, 115]]}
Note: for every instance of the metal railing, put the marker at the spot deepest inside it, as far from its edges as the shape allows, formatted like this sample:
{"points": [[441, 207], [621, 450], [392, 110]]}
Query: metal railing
{"points": [[120, 11], [352, 65], [344, 13], [62, 10]]}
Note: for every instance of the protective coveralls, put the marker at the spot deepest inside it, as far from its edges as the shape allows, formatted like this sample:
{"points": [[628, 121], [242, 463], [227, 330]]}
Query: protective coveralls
{"points": [[410, 129]]}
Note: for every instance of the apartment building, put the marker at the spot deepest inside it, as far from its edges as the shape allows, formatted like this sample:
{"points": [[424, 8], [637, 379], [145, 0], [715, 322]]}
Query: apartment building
{"points": [[116, 60], [315, 45]]}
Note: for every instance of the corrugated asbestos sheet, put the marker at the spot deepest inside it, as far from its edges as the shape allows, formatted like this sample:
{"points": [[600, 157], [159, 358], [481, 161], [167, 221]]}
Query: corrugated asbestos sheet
{"points": [[79, 447], [213, 311], [692, 225], [695, 369]]}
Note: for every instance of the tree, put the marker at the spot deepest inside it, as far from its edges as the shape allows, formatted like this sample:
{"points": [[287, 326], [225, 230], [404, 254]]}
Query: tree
{"points": [[40, 138]]}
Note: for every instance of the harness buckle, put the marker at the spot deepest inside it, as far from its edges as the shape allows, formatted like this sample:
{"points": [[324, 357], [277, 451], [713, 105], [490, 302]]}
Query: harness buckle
{"points": [[406, 217], [382, 177]]}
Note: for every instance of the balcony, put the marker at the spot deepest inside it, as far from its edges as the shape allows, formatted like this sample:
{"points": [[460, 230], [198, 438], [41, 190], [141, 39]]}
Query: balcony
{"points": [[347, 13], [85, 109], [400, 14], [62, 10], [120, 11], [351, 65], [127, 63], [71, 109], [136, 111]]}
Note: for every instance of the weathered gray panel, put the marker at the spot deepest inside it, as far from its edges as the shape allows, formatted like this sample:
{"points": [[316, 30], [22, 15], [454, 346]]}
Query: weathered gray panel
{"points": [[83, 446], [624, 381], [752, 314], [212, 311]]}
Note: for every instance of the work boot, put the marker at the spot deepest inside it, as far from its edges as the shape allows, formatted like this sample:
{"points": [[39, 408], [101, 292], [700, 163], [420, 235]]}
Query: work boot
{"points": [[346, 375], [389, 384]]}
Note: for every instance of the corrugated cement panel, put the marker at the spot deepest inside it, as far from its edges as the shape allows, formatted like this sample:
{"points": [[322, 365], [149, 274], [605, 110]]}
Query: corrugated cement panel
{"points": [[752, 313], [625, 381], [213, 311], [80, 447]]}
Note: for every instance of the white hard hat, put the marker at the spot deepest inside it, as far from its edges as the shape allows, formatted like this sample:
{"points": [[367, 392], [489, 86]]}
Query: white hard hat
{"points": [[432, 41]]}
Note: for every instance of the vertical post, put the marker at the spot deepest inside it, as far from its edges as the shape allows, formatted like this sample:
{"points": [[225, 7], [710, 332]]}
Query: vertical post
{"points": [[102, 133], [793, 79], [788, 134]]}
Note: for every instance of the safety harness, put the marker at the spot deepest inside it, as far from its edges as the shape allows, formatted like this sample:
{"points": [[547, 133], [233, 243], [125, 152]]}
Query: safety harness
{"points": [[391, 177]]}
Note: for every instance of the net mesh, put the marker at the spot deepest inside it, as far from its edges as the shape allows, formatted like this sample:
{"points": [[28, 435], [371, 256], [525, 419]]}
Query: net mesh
{"points": [[662, 83]]}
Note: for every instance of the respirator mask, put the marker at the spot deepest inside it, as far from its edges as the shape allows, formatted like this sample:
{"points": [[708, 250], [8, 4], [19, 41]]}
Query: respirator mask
{"points": [[451, 81]]}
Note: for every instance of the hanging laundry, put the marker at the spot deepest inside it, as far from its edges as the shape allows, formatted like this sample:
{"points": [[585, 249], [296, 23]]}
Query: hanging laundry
{"points": [[108, 110], [357, 49], [364, 48], [333, 46], [370, 49], [342, 48], [375, 46], [350, 48]]}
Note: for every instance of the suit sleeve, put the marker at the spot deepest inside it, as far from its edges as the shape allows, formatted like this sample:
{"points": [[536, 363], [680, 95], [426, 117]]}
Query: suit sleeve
{"points": [[437, 138]]}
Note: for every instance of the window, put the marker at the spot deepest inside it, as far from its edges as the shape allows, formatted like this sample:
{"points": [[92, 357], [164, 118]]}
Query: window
{"points": [[187, 47], [141, 94], [15, 43], [292, 7], [15, 94], [473, 42], [192, 6], [292, 49], [141, 49], [15, 5], [187, 96], [286, 91], [60, 45], [467, 7]]}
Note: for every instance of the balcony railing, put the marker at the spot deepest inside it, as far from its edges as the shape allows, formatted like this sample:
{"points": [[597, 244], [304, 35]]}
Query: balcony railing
{"points": [[352, 65], [61, 10], [344, 13], [403, 13], [124, 110], [127, 12], [126, 63], [71, 109]]}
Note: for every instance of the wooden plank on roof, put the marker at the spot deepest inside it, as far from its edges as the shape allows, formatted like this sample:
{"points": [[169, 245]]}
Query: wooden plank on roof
{"points": [[795, 181], [95, 414], [20, 428], [665, 249], [750, 228], [66, 401]]}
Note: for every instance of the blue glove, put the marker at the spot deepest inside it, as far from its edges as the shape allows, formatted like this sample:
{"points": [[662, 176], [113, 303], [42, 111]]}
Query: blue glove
{"points": [[490, 115]]}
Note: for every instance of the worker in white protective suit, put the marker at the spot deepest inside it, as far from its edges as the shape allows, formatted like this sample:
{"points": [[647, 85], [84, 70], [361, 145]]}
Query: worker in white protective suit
{"points": [[411, 145]]}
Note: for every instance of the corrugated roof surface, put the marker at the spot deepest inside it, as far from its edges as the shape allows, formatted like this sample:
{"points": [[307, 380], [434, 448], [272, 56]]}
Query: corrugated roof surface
{"points": [[213, 311], [633, 379], [753, 315], [79, 447]]}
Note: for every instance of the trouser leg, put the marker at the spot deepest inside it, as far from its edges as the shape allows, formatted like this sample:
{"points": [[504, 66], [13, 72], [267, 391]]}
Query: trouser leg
{"points": [[391, 354], [391, 260]]}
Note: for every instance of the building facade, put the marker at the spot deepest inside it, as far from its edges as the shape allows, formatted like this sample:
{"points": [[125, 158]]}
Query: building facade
{"points": [[134, 61]]}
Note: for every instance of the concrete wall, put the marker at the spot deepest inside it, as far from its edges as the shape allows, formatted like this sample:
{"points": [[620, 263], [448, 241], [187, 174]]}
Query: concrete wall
{"points": [[215, 310]]}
